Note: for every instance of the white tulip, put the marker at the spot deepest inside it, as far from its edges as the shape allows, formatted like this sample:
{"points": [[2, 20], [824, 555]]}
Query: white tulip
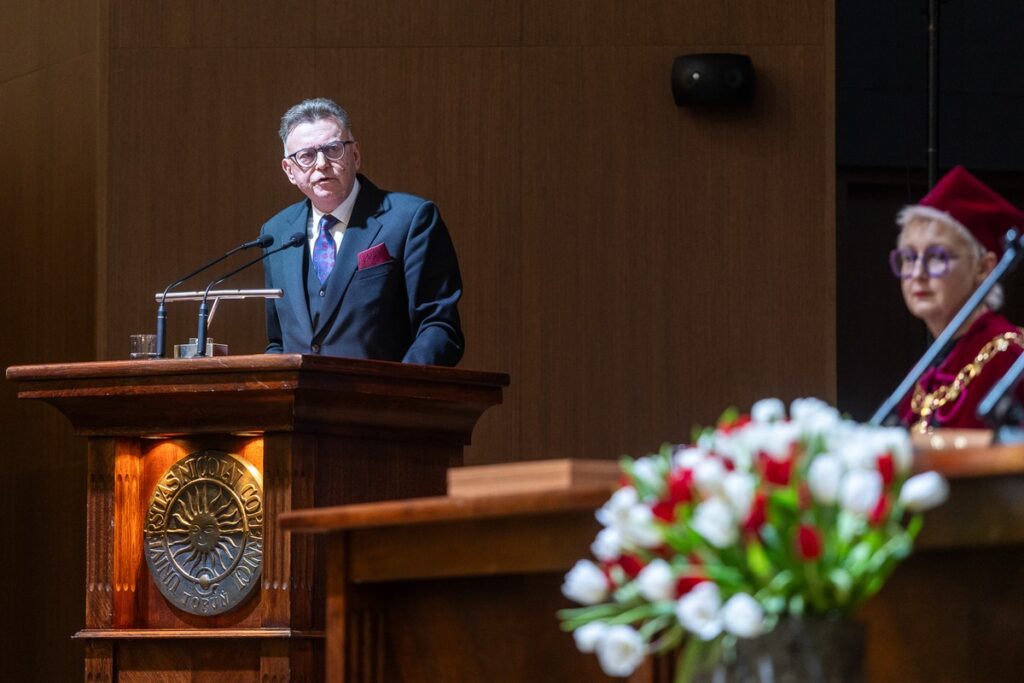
{"points": [[802, 409], [824, 477], [585, 583], [768, 410], [639, 529], [713, 520], [699, 611], [814, 417], [608, 545], [649, 471], [687, 458], [924, 491], [589, 635], [860, 491], [743, 616], [736, 445], [896, 440], [839, 435], [859, 453], [821, 422], [615, 511], [739, 488], [708, 476], [774, 439], [656, 582], [620, 650]]}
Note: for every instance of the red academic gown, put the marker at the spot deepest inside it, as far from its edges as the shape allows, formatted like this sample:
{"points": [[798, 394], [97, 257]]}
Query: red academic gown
{"points": [[958, 410]]}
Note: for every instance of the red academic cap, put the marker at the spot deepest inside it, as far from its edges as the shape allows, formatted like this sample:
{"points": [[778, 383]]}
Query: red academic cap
{"points": [[961, 199]]}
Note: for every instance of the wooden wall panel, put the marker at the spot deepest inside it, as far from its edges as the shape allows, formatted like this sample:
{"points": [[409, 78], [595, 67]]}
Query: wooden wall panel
{"points": [[440, 123], [48, 98], [616, 249], [37, 35], [779, 22], [682, 245], [402, 24], [203, 24], [194, 171], [610, 22], [634, 266]]}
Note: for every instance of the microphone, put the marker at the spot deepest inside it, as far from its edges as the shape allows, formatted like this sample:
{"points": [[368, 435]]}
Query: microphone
{"points": [[263, 241], [295, 240]]}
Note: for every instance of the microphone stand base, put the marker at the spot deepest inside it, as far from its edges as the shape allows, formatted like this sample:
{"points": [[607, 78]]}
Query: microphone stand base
{"points": [[189, 350]]}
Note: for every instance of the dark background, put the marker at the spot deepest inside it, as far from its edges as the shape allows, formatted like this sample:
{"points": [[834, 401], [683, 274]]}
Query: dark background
{"points": [[881, 153]]}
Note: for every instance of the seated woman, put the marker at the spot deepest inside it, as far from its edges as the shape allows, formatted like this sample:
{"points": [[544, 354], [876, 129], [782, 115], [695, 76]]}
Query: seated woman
{"points": [[948, 243]]}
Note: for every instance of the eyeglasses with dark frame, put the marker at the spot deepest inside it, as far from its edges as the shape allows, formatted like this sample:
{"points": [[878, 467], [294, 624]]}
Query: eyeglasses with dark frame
{"points": [[935, 260], [332, 151]]}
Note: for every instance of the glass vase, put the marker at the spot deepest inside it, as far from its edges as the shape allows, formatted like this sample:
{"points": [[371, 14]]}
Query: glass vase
{"points": [[808, 649]]}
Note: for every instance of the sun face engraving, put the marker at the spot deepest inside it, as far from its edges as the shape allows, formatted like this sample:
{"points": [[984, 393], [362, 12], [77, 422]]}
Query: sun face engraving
{"points": [[204, 532]]}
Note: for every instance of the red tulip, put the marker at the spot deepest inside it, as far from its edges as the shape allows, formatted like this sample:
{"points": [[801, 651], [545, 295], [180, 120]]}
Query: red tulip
{"points": [[631, 564], [685, 584], [880, 512], [680, 486], [886, 467], [752, 524], [808, 542], [664, 510], [775, 471]]}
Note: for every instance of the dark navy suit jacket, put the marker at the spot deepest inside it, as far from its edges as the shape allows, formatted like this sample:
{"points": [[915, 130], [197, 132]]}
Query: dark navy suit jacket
{"points": [[402, 310]]}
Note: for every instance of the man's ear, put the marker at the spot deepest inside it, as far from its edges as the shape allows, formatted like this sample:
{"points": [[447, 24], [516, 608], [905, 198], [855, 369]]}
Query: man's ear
{"points": [[287, 168], [356, 161]]}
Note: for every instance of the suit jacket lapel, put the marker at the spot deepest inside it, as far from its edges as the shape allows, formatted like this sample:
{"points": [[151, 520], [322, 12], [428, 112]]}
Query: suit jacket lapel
{"points": [[295, 281], [362, 228]]}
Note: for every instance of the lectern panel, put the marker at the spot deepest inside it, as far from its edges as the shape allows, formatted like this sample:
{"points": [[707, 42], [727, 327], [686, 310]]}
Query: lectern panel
{"points": [[153, 608], [166, 443]]}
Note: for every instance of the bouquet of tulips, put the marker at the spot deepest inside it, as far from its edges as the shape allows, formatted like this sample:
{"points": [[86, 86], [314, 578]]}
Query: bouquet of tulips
{"points": [[763, 516]]}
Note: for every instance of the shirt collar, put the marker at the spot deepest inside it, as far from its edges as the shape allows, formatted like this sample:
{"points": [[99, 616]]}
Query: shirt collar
{"points": [[343, 211]]}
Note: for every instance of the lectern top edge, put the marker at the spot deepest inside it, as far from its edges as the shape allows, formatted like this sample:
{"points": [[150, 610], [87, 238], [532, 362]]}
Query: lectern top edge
{"points": [[254, 363]]}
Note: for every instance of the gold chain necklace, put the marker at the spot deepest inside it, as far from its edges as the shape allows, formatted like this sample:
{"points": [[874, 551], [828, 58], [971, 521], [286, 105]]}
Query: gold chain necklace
{"points": [[925, 405]]}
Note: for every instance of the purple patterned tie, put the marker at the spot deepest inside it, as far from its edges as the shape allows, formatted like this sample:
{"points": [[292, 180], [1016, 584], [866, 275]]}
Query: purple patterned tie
{"points": [[323, 248]]}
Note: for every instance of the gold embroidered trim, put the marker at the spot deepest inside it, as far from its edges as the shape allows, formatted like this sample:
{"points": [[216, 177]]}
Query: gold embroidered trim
{"points": [[925, 405]]}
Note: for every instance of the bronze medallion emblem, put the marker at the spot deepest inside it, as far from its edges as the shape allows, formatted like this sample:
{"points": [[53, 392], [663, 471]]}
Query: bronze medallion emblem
{"points": [[204, 532]]}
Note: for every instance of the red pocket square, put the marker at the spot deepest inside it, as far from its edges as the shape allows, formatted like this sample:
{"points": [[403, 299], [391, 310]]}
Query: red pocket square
{"points": [[374, 256]]}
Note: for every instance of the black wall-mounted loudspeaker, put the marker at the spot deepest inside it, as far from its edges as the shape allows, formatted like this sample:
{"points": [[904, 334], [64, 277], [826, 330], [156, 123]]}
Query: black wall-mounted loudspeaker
{"points": [[712, 78]]}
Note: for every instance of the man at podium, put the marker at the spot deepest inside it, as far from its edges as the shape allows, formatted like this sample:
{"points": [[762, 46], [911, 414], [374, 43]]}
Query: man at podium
{"points": [[377, 277]]}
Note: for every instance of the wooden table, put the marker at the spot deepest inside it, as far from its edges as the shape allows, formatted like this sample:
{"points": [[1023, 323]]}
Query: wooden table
{"points": [[467, 589]]}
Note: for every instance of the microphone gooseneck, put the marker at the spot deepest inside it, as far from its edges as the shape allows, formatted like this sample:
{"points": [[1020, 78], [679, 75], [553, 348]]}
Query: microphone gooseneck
{"points": [[263, 241], [295, 240]]}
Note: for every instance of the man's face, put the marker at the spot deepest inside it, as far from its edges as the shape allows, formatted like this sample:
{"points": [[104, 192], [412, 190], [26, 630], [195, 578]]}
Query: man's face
{"points": [[327, 183]]}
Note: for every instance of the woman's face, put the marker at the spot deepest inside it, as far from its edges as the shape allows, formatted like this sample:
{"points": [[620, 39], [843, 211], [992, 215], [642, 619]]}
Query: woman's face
{"points": [[935, 300]]}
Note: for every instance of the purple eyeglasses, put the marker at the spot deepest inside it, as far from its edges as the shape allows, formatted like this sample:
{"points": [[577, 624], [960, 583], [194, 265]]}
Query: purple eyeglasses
{"points": [[935, 260]]}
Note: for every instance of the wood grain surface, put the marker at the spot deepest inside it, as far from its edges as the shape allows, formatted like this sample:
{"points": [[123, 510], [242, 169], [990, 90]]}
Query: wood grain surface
{"points": [[409, 578], [634, 267]]}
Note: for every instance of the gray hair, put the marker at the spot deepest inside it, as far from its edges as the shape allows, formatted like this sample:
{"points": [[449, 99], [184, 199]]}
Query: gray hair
{"points": [[995, 297], [310, 111]]}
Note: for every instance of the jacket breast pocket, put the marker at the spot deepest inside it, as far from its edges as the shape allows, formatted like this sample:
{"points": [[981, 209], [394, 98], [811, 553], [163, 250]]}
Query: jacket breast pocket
{"points": [[380, 270]]}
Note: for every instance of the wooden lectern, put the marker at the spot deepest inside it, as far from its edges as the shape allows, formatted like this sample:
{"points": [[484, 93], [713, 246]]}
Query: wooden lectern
{"points": [[313, 431]]}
